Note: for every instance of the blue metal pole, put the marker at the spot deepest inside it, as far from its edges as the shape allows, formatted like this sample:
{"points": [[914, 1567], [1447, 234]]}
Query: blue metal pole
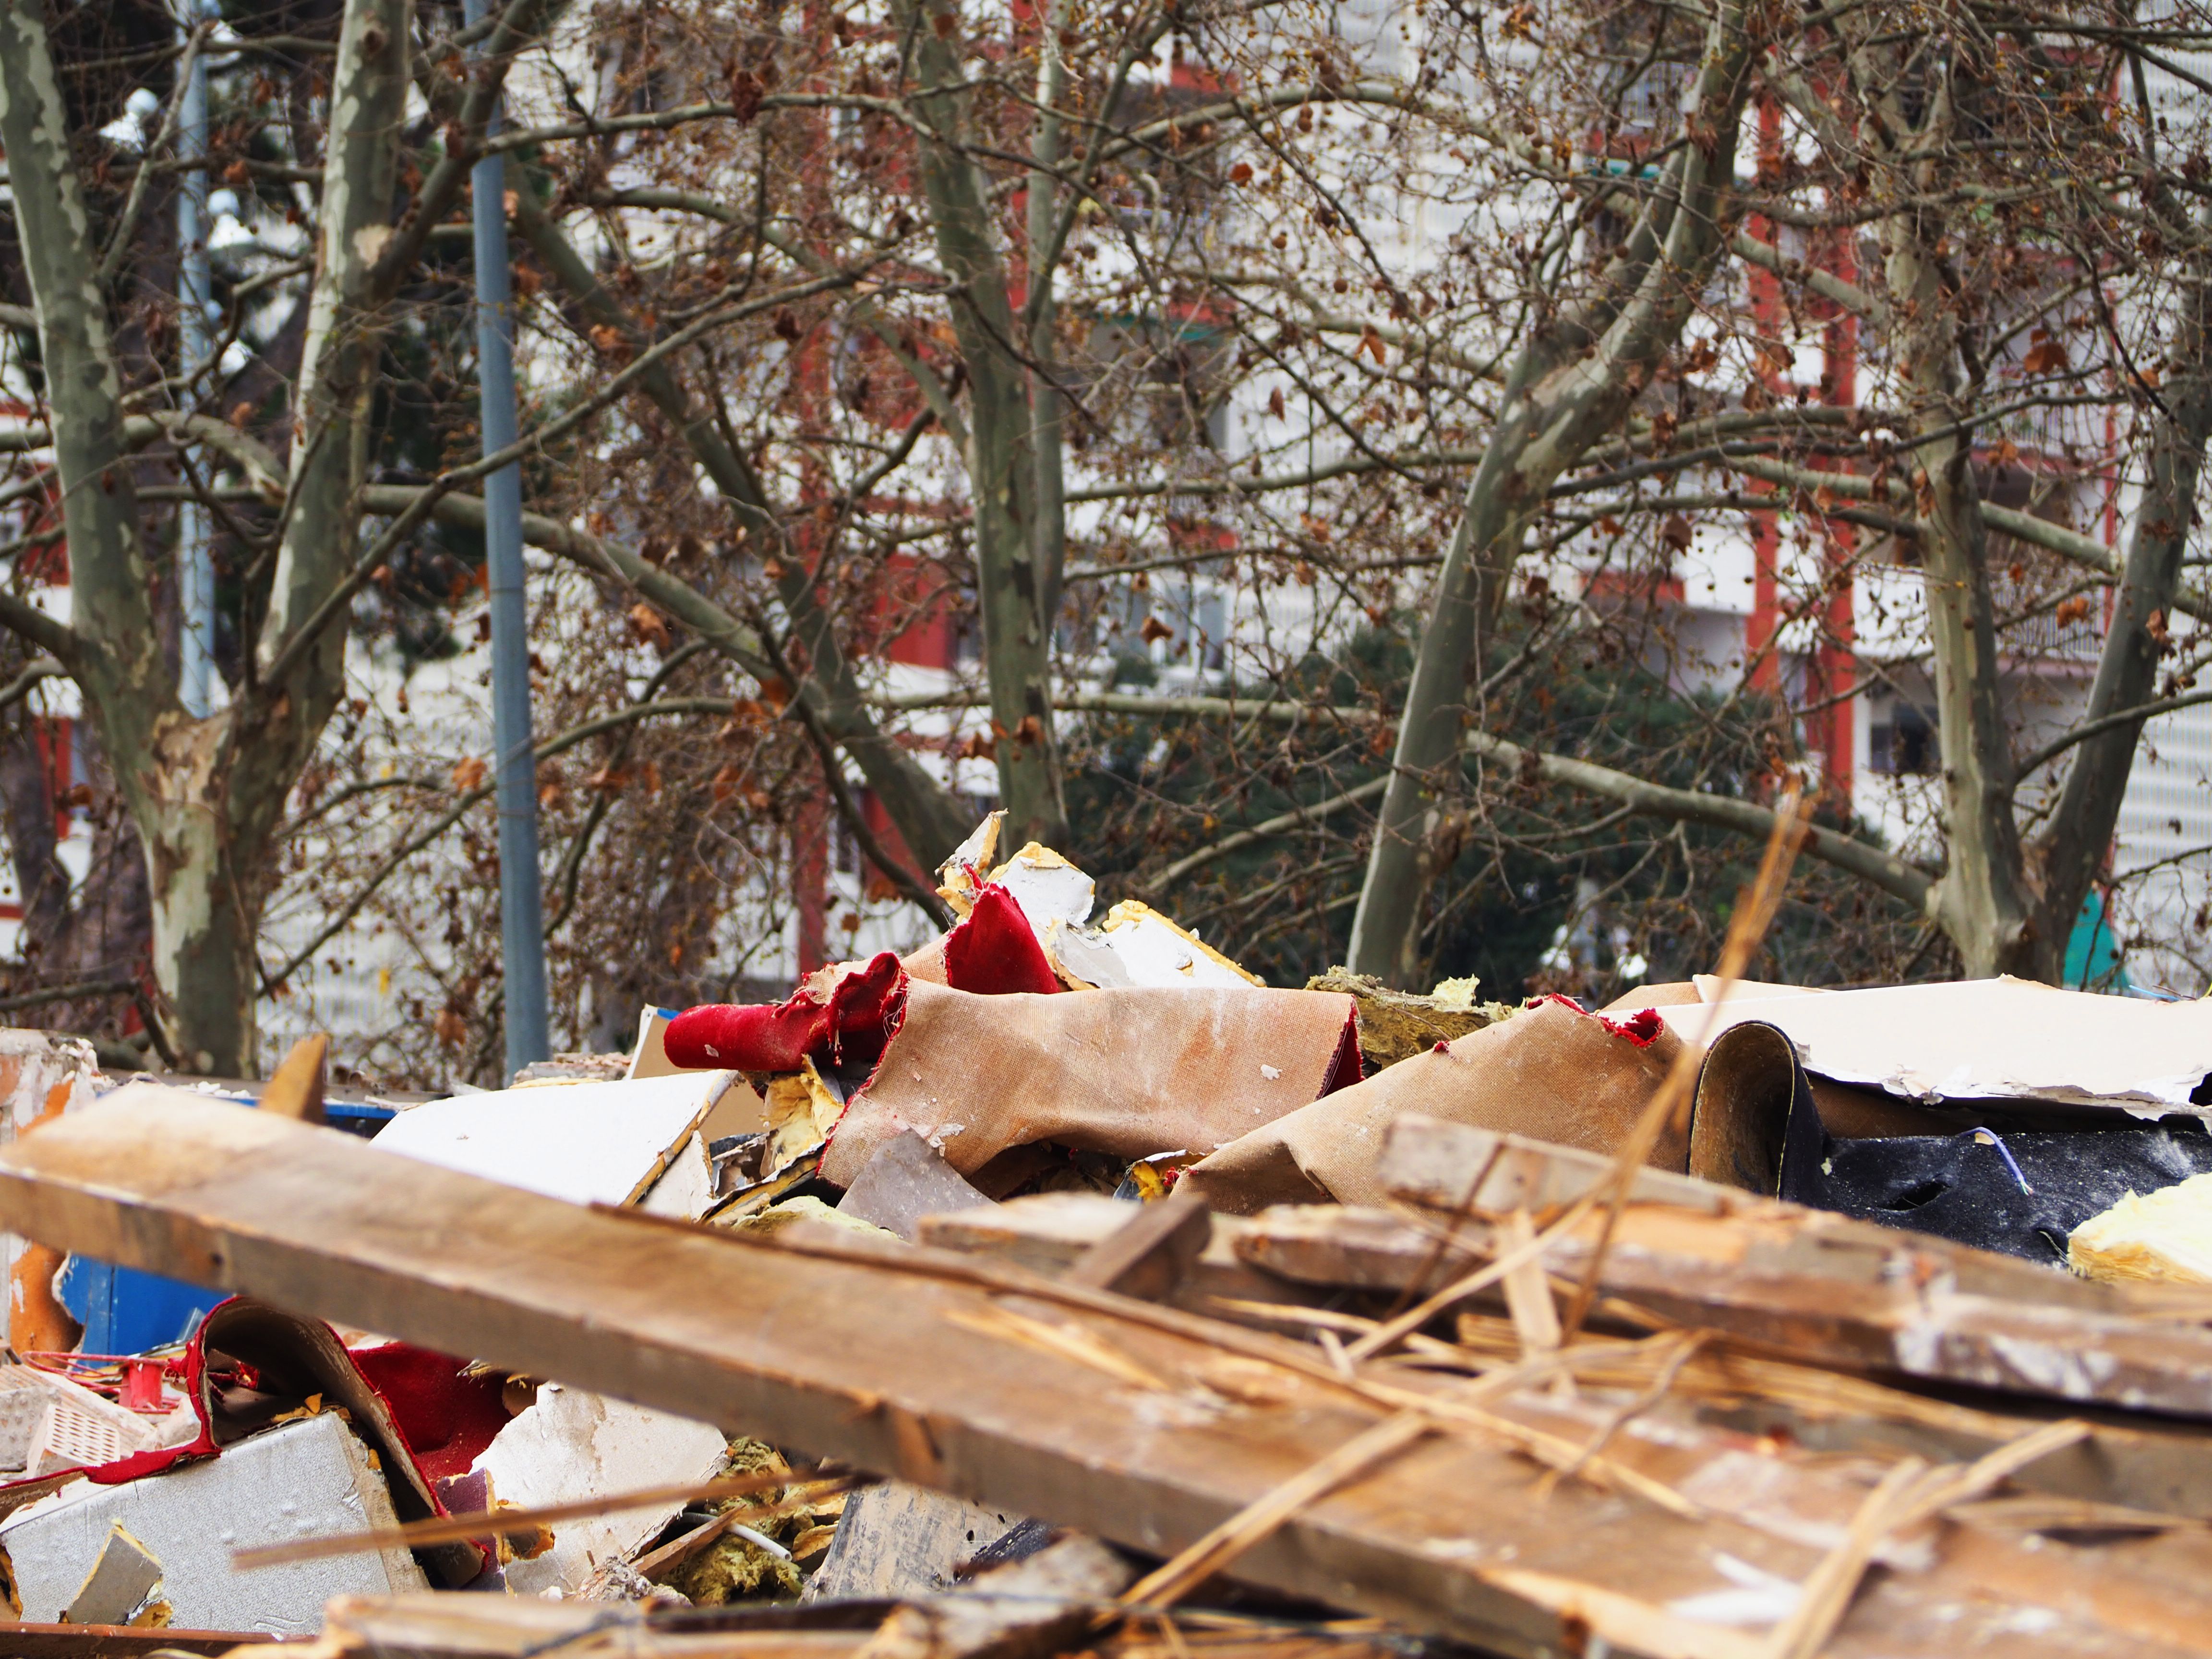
{"points": [[521, 919]]}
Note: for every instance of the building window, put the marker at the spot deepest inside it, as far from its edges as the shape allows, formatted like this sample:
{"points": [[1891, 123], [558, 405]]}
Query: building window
{"points": [[1905, 744]]}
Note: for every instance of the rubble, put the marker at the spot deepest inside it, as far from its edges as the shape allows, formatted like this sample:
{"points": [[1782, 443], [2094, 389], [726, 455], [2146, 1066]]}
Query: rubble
{"points": [[895, 1539], [1059, 1287], [1123, 1072], [905, 1179]]}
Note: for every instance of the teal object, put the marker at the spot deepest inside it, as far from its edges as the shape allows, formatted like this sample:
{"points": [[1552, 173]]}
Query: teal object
{"points": [[2092, 956]]}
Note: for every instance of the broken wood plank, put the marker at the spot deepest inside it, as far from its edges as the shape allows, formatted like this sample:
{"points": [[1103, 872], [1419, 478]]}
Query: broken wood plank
{"points": [[1804, 1282], [1797, 1292], [517, 1628], [2134, 1463], [1023, 1610], [1049, 1233], [35, 1641], [1150, 1254], [1432, 1164], [295, 1089], [1142, 1424]]}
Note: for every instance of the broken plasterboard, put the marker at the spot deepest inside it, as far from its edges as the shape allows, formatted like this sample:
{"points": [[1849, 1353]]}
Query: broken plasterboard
{"points": [[738, 1112], [962, 873], [590, 1143], [122, 1577], [1987, 1039], [1153, 951], [572, 1444], [686, 1188], [1048, 888], [299, 1480]]}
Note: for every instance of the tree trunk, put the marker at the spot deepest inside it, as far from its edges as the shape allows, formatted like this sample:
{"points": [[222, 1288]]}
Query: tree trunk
{"points": [[207, 910], [1013, 588], [2071, 852], [1569, 387], [1047, 406], [1981, 902], [206, 795]]}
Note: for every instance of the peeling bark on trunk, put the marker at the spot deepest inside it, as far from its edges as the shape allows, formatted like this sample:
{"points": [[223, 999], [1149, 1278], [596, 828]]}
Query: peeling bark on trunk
{"points": [[1569, 387]]}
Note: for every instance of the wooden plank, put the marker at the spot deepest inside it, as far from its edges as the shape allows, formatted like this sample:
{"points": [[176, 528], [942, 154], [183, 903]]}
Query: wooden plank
{"points": [[1049, 1233], [20, 1640], [507, 1627], [1806, 1282], [1142, 1424], [2134, 1461], [1150, 1254]]}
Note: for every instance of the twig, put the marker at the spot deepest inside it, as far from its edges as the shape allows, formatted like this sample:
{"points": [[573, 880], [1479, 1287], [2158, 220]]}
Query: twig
{"points": [[1911, 1493], [1754, 915], [37, 670], [498, 1523], [1360, 1455], [91, 988]]}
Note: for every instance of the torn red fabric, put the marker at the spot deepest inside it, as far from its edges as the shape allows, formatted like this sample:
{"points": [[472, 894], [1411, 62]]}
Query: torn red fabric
{"points": [[1641, 1028], [192, 1372], [447, 1416], [994, 952], [854, 1023]]}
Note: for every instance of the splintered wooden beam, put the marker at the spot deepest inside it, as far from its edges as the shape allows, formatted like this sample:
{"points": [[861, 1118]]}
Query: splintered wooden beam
{"points": [[1813, 1284], [446, 1626], [1142, 1424]]}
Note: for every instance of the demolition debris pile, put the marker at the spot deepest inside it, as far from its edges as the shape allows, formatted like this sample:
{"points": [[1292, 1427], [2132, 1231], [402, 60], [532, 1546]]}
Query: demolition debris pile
{"points": [[1061, 1288]]}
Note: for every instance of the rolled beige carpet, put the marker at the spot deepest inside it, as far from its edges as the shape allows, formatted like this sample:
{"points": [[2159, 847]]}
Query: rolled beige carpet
{"points": [[1132, 1071], [1551, 1072]]}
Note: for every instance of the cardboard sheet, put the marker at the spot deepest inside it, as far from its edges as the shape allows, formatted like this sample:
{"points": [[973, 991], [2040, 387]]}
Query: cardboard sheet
{"points": [[590, 1143], [1994, 1039]]}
